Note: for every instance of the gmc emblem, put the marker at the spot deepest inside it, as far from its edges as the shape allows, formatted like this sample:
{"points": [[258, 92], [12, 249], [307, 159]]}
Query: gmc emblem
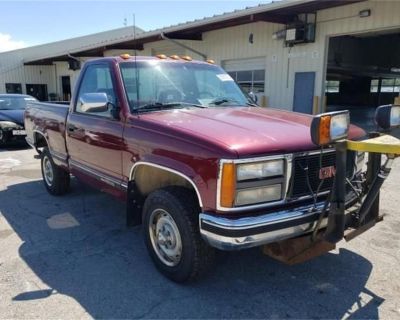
{"points": [[327, 172]]}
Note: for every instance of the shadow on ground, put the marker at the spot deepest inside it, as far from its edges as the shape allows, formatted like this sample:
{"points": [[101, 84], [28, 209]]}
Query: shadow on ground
{"points": [[79, 246], [14, 146]]}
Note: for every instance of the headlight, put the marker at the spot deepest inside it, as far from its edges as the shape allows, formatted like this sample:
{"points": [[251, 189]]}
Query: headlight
{"points": [[329, 127], [251, 183], [260, 170], [388, 116], [395, 117], [258, 195], [8, 124]]}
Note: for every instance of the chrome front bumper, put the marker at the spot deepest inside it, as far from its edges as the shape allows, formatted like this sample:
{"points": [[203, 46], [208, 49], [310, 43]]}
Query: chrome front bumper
{"points": [[233, 234]]}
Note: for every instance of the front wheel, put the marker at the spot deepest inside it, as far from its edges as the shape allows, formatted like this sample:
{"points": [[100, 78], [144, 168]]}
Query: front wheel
{"points": [[55, 179], [3, 138], [172, 237]]}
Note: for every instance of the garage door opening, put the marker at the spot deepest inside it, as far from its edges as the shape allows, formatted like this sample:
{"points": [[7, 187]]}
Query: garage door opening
{"points": [[363, 72]]}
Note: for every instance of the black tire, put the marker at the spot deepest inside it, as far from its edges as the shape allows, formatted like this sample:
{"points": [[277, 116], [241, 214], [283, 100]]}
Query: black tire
{"points": [[59, 183], [3, 140], [196, 256]]}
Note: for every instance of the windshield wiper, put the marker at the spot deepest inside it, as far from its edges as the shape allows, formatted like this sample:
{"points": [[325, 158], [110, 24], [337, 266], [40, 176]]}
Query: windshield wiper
{"points": [[193, 105], [157, 105], [219, 101], [162, 106]]}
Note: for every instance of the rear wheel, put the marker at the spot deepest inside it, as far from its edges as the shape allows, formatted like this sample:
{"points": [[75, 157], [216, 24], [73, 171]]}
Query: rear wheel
{"points": [[172, 237], [55, 179]]}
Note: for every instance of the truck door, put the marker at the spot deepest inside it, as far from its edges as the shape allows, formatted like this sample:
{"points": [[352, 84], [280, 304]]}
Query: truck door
{"points": [[94, 139]]}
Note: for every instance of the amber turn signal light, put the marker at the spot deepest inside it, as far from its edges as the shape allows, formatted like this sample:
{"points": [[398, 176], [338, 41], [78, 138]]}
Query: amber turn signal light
{"points": [[228, 185]]}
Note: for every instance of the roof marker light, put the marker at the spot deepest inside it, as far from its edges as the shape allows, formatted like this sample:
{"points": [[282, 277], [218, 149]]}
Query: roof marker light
{"points": [[125, 56], [161, 56], [211, 61], [175, 57], [187, 58]]}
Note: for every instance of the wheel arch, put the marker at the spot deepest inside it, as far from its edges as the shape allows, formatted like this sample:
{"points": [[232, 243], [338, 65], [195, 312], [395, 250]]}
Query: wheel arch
{"points": [[167, 176], [40, 139]]}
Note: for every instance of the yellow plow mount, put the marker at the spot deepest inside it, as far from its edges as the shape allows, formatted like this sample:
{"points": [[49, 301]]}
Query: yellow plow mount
{"points": [[385, 144], [300, 249]]}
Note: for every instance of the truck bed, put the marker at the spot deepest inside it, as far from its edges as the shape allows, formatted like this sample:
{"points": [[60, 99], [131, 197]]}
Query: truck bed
{"points": [[47, 120]]}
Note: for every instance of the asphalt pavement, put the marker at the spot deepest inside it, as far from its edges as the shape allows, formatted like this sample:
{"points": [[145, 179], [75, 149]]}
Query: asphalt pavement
{"points": [[72, 257]]}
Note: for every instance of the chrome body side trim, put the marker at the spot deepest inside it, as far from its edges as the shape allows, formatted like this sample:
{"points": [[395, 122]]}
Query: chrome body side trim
{"points": [[132, 175], [105, 178], [60, 156]]}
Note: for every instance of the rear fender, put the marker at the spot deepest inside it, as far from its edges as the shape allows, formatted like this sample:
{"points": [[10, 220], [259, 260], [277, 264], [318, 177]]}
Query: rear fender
{"points": [[40, 141]]}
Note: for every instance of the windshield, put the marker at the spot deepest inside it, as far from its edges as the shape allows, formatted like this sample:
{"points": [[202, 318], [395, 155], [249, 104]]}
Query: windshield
{"points": [[14, 103], [176, 84]]}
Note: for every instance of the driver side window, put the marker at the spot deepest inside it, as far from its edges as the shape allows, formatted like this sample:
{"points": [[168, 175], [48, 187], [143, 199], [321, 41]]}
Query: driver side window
{"points": [[97, 79]]}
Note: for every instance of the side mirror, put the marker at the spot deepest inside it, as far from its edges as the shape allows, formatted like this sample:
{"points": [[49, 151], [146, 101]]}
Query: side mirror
{"points": [[388, 116], [253, 96], [94, 102]]}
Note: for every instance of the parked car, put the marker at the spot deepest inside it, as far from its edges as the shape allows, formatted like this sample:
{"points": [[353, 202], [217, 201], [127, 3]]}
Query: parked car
{"points": [[201, 166], [12, 108]]}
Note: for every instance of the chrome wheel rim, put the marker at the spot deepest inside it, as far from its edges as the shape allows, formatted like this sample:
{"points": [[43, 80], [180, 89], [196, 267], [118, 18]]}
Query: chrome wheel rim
{"points": [[48, 171], [165, 237]]}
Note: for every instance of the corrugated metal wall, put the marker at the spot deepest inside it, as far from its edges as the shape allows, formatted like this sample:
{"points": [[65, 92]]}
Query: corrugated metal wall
{"points": [[12, 70]]}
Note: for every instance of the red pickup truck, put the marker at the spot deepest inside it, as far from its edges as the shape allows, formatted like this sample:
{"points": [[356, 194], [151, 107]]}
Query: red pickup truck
{"points": [[198, 163]]}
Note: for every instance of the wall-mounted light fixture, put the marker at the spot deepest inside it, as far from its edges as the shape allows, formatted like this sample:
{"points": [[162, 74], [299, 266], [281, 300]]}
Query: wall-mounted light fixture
{"points": [[251, 38], [364, 13]]}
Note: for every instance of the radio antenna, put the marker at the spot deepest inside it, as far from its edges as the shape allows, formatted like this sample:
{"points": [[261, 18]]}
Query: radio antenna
{"points": [[135, 63]]}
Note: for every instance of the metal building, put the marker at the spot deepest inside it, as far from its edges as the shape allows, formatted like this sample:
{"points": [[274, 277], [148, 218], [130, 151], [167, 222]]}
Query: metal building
{"points": [[296, 55]]}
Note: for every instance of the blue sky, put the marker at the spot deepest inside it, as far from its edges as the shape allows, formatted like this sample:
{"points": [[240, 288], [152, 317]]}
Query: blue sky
{"points": [[26, 23]]}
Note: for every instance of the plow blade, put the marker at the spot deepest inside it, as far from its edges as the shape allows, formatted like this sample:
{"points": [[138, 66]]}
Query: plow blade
{"points": [[297, 250]]}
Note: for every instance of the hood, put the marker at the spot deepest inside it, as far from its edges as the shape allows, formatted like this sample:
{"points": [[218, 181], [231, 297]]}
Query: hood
{"points": [[248, 131], [16, 115]]}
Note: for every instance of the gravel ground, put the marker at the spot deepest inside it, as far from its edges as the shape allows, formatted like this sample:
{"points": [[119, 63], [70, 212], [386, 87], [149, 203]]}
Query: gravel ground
{"points": [[72, 257]]}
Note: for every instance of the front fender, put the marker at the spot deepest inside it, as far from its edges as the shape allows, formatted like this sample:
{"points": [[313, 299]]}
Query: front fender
{"points": [[201, 184]]}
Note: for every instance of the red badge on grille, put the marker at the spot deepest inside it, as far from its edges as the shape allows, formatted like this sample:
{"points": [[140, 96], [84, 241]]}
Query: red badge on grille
{"points": [[327, 172]]}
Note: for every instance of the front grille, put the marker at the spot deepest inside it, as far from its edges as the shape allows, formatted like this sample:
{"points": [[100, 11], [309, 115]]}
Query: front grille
{"points": [[309, 166]]}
